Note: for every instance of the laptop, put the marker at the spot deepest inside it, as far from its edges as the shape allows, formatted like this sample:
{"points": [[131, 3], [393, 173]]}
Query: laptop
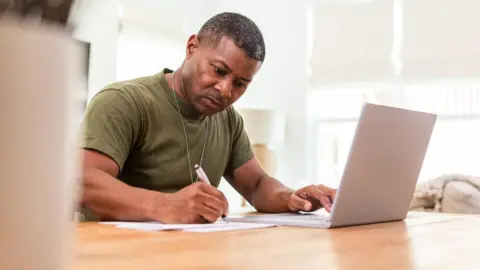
{"points": [[380, 175]]}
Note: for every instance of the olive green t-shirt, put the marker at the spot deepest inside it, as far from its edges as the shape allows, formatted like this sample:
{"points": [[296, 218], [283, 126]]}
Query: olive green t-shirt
{"points": [[137, 124]]}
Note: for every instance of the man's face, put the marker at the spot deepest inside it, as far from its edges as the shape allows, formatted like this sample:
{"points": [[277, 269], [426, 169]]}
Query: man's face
{"points": [[216, 76]]}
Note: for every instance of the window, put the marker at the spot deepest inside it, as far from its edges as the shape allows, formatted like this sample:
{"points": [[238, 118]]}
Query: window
{"points": [[455, 142], [334, 115]]}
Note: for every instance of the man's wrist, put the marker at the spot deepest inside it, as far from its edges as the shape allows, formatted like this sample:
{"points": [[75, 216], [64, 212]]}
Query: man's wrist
{"points": [[271, 196], [153, 205], [285, 195]]}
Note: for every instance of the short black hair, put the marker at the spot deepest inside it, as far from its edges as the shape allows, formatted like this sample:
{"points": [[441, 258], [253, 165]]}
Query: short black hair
{"points": [[240, 29]]}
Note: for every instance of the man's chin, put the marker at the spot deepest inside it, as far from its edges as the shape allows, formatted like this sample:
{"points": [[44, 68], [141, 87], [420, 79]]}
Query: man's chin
{"points": [[207, 111]]}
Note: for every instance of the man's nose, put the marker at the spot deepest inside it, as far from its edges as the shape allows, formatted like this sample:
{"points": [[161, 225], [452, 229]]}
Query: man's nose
{"points": [[225, 88]]}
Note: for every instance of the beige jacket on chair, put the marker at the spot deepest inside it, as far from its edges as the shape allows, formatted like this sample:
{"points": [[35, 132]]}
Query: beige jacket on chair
{"points": [[453, 193]]}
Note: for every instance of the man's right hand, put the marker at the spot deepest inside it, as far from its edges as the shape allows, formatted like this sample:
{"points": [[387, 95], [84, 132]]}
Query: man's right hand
{"points": [[196, 203]]}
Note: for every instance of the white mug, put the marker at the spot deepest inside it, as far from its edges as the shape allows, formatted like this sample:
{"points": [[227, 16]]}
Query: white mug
{"points": [[39, 73]]}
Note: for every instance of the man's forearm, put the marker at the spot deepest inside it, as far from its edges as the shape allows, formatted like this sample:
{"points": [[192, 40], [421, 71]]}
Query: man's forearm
{"points": [[271, 196], [111, 199]]}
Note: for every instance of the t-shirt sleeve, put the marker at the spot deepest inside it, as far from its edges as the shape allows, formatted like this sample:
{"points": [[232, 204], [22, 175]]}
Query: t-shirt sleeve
{"points": [[241, 151], [111, 125]]}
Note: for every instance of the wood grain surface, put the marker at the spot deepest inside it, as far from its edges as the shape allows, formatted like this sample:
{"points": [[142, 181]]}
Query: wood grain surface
{"points": [[423, 241]]}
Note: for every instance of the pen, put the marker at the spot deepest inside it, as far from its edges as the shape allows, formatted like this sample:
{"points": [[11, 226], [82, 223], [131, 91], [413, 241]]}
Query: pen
{"points": [[203, 176]]}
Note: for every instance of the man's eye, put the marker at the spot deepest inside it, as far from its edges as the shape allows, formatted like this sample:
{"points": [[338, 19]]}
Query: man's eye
{"points": [[219, 71], [239, 84]]}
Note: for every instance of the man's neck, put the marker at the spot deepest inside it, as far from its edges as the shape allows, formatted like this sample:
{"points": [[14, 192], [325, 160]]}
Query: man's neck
{"points": [[175, 82]]}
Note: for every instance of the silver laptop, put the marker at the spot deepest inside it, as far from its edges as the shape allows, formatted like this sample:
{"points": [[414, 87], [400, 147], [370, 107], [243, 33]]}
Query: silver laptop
{"points": [[380, 175]]}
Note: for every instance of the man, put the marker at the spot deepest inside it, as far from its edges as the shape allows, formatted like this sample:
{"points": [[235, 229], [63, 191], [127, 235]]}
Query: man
{"points": [[142, 137]]}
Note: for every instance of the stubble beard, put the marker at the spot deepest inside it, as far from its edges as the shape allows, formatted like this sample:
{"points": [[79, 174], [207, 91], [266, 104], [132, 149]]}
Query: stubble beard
{"points": [[186, 84]]}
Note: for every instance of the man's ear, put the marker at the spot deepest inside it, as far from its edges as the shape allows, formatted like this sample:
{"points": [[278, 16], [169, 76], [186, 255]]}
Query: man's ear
{"points": [[192, 45]]}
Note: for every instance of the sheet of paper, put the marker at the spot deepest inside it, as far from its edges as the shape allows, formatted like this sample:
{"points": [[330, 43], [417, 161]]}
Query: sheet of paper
{"points": [[280, 217], [213, 227], [314, 220], [232, 226]]}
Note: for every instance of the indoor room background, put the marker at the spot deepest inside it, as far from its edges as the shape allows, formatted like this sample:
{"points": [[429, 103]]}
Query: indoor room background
{"points": [[324, 59]]}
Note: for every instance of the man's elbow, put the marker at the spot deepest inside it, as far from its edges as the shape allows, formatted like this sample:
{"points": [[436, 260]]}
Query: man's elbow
{"points": [[259, 200], [88, 185]]}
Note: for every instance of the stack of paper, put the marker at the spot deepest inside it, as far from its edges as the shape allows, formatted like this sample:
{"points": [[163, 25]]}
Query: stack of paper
{"points": [[213, 227]]}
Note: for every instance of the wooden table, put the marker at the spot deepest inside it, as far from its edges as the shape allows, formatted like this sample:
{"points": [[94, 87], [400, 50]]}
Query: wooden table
{"points": [[423, 241]]}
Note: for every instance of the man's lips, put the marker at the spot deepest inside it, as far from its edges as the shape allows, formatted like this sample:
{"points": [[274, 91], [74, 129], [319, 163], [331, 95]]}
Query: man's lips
{"points": [[215, 102]]}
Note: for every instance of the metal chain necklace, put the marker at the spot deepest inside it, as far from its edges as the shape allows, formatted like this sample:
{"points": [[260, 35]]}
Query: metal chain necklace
{"points": [[185, 134]]}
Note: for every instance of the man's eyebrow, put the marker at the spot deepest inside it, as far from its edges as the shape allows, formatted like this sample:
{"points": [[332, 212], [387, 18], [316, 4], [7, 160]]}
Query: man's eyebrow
{"points": [[245, 79], [230, 70]]}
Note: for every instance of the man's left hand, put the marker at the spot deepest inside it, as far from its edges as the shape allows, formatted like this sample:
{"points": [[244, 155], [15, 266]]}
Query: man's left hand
{"points": [[312, 198]]}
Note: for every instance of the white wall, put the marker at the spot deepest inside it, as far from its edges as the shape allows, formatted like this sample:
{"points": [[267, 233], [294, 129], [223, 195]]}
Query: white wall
{"points": [[144, 50], [99, 26]]}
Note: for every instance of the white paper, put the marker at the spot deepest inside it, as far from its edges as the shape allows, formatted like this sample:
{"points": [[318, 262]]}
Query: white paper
{"points": [[213, 227], [314, 220], [281, 217]]}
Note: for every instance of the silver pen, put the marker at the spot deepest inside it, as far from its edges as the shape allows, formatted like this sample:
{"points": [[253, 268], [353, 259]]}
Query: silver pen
{"points": [[203, 177]]}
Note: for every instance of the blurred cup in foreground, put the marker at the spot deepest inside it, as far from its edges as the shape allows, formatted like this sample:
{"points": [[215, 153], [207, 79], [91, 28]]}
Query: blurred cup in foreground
{"points": [[39, 73]]}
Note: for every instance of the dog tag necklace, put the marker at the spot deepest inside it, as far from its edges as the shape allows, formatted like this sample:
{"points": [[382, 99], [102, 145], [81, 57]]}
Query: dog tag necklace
{"points": [[190, 168]]}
